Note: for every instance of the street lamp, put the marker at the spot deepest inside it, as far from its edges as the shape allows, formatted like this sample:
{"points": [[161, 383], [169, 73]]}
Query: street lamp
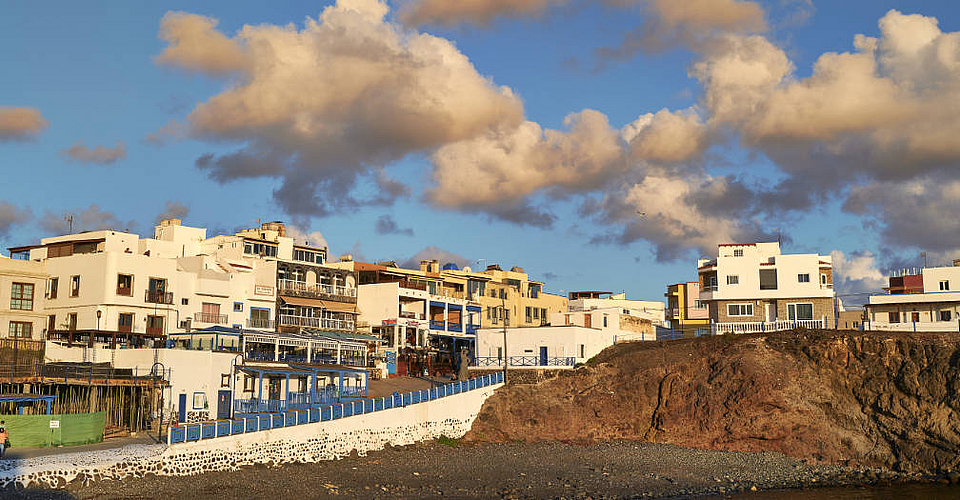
{"points": [[99, 313]]}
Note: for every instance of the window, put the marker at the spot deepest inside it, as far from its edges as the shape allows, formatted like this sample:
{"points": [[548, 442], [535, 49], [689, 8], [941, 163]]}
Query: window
{"points": [[199, 401], [803, 278], [238, 307], [261, 249], [604, 320], [733, 279], [713, 282], [51, 323], [529, 314], [944, 285], [225, 380], [534, 291], [739, 309], [248, 383], [582, 350], [823, 279], [155, 324], [184, 301], [800, 312], [72, 321], [75, 286], [536, 313], [945, 315], [21, 296], [21, 330], [893, 317], [308, 256], [543, 314], [125, 285], [54, 283], [699, 304], [768, 279], [738, 252], [125, 322]]}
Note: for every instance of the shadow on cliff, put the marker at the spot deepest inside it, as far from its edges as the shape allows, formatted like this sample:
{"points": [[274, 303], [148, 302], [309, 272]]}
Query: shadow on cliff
{"points": [[11, 493], [830, 397]]}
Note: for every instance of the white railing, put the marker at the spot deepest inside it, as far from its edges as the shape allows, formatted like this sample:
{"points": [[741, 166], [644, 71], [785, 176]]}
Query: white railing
{"points": [[919, 326], [303, 321], [764, 326], [315, 288]]}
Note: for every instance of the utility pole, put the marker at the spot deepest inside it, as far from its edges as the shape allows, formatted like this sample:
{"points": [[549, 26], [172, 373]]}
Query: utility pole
{"points": [[506, 357], [69, 220]]}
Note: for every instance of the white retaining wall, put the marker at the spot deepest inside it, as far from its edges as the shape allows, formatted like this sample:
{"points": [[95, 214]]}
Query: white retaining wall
{"points": [[451, 416]]}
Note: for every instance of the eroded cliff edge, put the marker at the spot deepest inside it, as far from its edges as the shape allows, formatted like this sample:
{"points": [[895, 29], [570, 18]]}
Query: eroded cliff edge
{"points": [[851, 398]]}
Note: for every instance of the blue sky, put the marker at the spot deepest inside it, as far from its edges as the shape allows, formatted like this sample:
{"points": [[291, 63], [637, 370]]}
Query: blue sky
{"points": [[92, 72]]}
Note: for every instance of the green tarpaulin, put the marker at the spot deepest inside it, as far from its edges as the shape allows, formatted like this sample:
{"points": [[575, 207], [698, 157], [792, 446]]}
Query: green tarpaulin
{"points": [[35, 431]]}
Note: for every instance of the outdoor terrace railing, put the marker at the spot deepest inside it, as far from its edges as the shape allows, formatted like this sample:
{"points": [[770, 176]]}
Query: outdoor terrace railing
{"points": [[155, 297], [336, 324], [264, 420], [764, 326], [54, 372], [202, 317], [526, 361], [315, 288], [261, 323], [438, 325]]}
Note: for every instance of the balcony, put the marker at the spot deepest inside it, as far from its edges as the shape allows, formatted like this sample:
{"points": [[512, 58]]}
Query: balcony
{"points": [[158, 297], [214, 318], [306, 322], [302, 289], [438, 325], [453, 327], [764, 326], [411, 315], [559, 361], [263, 324], [412, 285], [471, 328]]}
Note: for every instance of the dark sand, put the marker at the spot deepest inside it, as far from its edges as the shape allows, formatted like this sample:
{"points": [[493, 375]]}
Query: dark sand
{"points": [[512, 470]]}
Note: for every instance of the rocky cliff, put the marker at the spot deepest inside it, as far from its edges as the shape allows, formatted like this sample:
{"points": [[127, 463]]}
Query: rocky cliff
{"points": [[831, 397]]}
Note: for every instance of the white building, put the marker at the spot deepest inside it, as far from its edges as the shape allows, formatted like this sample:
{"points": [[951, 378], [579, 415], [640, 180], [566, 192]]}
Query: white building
{"points": [[22, 285], [588, 301], [924, 300], [544, 346], [753, 287]]}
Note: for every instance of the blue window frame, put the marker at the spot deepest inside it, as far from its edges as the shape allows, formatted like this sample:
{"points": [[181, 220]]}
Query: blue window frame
{"points": [[238, 307]]}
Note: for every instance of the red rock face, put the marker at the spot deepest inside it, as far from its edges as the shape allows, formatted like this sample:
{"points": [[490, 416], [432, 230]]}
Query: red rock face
{"points": [[831, 397]]}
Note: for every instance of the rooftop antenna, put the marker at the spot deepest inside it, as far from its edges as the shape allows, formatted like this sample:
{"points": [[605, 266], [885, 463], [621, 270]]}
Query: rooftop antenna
{"points": [[69, 220], [779, 240]]}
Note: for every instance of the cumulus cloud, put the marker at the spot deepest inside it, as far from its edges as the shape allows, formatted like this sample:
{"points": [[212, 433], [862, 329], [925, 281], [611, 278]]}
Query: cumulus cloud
{"points": [[11, 215], [856, 273], [321, 105], [668, 23], [19, 124], [435, 253], [99, 155], [92, 218], [386, 225], [173, 210], [171, 132], [306, 237], [479, 12]]}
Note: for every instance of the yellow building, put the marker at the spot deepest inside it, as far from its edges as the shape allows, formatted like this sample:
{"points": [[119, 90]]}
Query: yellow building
{"points": [[684, 310], [510, 297]]}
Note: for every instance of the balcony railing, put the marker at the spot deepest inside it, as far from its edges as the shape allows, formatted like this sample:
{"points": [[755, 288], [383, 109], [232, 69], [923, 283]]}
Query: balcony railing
{"points": [[267, 324], [411, 315], [412, 285], [302, 321], [157, 297], [525, 361], [202, 317], [437, 325], [454, 327], [353, 392], [125, 291], [314, 289], [764, 326], [471, 328], [259, 406], [709, 288]]}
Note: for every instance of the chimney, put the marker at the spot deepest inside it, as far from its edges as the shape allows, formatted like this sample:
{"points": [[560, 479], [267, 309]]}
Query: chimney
{"points": [[430, 266], [170, 222], [346, 258], [956, 262]]}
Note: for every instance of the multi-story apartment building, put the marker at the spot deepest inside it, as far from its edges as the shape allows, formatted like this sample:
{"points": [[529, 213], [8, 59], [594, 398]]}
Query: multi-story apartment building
{"points": [[652, 310], [926, 299], [310, 295], [510, 298], [117, 288], [685, 311], [753, 288], [22, 287]]}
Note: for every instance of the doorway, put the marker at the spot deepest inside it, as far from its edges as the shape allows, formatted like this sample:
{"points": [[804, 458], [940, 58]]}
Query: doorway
{"points": [[543, 355]]}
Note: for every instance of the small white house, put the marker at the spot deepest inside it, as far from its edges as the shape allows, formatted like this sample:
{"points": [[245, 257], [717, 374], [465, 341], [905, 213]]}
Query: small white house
{"points": [[558, 346]]}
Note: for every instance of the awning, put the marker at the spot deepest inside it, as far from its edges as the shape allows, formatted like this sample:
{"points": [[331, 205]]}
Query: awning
{"points": [[473, 308], [301, 301], [438, 304], [332, 305]]}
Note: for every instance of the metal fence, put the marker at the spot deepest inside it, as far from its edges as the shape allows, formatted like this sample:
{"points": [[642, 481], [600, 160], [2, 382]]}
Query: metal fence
{"points": [[264, 421], [526, 361]]}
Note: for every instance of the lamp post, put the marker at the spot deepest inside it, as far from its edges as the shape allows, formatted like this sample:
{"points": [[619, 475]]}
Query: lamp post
{"points": [[99, 314], [506, 356]]}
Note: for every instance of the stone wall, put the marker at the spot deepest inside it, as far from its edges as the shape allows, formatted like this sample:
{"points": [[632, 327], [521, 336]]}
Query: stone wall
{"points": [[451, 416], [523, 375]]}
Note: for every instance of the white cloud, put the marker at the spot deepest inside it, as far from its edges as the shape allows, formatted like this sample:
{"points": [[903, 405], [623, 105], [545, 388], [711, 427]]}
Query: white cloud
{"points": [[100, 155], [18, 124], [856, 273]]}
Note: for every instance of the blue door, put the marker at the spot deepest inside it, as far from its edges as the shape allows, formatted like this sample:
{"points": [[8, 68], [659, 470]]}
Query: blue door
{"points": [[182, 417], [543, 355], [223, 404], [391, 359]]}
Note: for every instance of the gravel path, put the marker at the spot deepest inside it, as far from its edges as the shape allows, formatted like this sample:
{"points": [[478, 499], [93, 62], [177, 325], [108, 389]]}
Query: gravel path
{"points": [[511, 470]]}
